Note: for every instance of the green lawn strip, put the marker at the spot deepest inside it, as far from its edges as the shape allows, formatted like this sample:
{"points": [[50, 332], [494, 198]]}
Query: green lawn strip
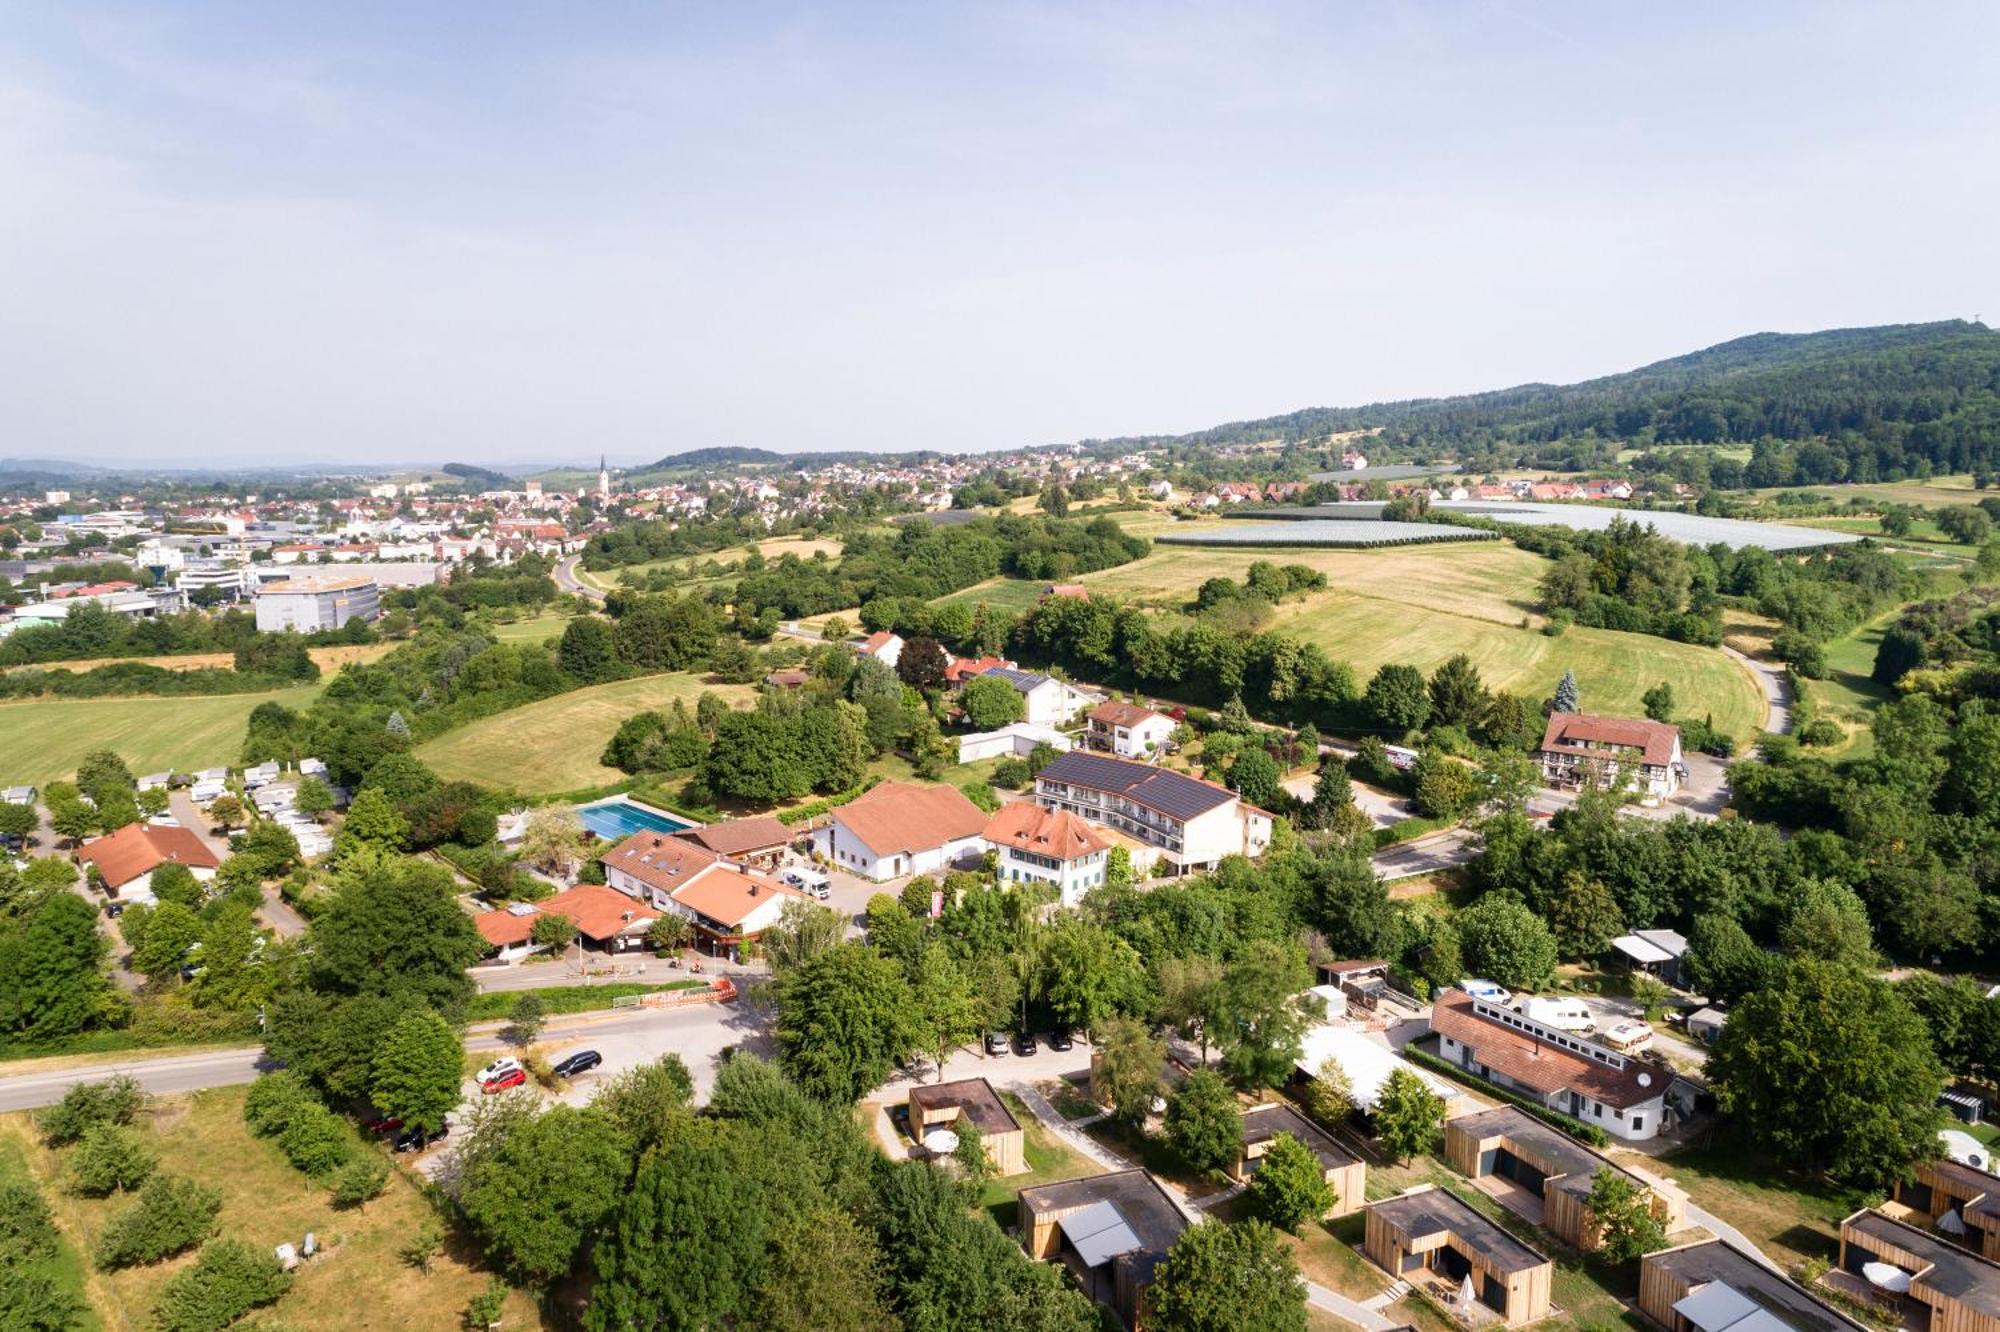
{"points": [[65, 1267], [1050, 1160], [557, 999], [1791, 1217]]}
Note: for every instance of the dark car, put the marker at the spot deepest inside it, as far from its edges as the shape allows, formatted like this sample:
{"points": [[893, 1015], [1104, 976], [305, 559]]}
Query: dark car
{"points": [[414, 1139], [1059, 1039], [1024, 1044], [387, 1124], [996, 1042], [580, 1062]]}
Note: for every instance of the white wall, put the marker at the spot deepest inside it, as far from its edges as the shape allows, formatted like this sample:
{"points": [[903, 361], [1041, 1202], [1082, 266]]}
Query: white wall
{"points": [[843, 849]]}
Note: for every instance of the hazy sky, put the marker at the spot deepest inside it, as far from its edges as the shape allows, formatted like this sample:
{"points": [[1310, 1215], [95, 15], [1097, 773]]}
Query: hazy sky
{"points": [[504, 231]]}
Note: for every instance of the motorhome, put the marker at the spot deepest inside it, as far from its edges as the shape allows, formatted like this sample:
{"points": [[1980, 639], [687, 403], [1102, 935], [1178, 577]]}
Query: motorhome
{"points": [[1568, 1014]]}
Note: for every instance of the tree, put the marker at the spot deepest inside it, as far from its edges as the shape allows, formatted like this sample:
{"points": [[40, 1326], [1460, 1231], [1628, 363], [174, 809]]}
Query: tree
{"points": [[1263, 1024], [373, 820], [1458, 695], [1966, 525], [88, 1104], [1828, 922], [1408, 1116], [1191, 997], [1255, 776], [1329, 1094], [805, 930], [945, 1009], [1723, 962], [52, 979], [1568, 697], [685, 1248], [824, 1275], [1087, 972], [1583, 916], [314, 796], [171, 929], [991, 702], [648, 1101], [588, 650], [1125, 1075], [172, 1215], [1830, 1067], [836, 629], [553, 930], [1621, 1209], [483, 1310], [755, 757], [921, 665], [844, 1019], [361, 1180], [544, 1189], [100, 772], [393, 927], [1290, 1188], [1227, 1278], [108, 1159], [20, 820], [73, 820], [418, 1070], [1445, 787], [1507, 943], [1203, 1122], [1901, 651], [527, 1017], [225, 811], [1398, 699], [552, 841], [228, 1280], [1659, 702]]}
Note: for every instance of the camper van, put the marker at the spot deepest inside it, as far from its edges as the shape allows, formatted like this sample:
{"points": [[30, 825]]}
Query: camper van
{"points": [[811, 882], [1626, 1036], [1563, 1014], [1485, 990]]}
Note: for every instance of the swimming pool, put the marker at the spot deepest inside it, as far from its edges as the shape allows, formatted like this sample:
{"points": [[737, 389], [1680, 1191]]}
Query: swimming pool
{"points": [[615, 820]]}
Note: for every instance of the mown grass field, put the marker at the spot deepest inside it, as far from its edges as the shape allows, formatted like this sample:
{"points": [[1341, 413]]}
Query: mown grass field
{"points": [[777, 547], [533, 629], [41, 740], [552, 745], [1936, 493], [358, 1281], [331, 657]]}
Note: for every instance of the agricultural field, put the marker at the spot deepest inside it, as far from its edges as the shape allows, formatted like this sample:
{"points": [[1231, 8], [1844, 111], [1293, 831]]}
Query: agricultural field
{"points": [[533, 629], [1319, 532], [359, 1279], [46, 737], [1011, 595], [330, 658], [1936, 493], [775, 548], [552, 745]]}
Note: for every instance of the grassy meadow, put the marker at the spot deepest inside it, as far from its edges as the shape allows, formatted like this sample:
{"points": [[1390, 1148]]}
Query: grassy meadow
{"points": [[44, 738], [552, 745]]}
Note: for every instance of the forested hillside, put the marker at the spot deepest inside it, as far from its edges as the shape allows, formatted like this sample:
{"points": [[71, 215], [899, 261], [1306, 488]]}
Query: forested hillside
{"points": [[1886, 401]]}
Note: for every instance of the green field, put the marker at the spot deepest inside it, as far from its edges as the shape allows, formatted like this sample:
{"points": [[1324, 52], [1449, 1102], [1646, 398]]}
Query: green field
{"points": [[552, 745], [1936, 493], [533, 629], [1011, 595], [1423, 604], [44, 738]]}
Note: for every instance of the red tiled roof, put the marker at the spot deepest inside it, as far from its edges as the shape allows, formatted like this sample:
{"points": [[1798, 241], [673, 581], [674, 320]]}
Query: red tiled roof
{"points": [[1115, 713], [1538, 1064], [876, 641], [658, 860], [734, 837], [1584, 733], [901, 816], [140, 848], [964, 668], [727, 895], [1048, 832], [599, 913]]}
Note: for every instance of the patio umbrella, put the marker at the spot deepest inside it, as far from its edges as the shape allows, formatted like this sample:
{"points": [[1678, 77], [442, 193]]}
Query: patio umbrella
{"points": [[1465, 1295], [1951, 1223], [942, 1141], [1887, 1276]]}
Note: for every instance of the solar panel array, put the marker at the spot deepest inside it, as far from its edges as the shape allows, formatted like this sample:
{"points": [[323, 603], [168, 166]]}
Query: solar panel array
{"points": [[1169, 793]]}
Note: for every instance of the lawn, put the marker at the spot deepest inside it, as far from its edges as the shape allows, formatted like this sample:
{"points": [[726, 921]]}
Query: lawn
{"points": [[1050, 1160], [358, 1280], [1008, 595], [533, 629], [330, 656], [1849, 695], [46, 737], [1792, 1218], [1936, 493], [553, 744], [65, 1267]]}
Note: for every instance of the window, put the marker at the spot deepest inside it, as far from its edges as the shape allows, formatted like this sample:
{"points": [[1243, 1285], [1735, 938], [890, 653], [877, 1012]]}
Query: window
{"points": [[1638, 1122]]}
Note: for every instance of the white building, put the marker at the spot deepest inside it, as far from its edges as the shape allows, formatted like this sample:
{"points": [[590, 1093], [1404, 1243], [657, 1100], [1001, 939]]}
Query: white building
{"points": [[1128, 730], [1048, 701], [1366, 1061], [1194, 824], [309, 605], [884, 646], [1048, 846], [1017, 740], [1579, 749], [899, 828]]}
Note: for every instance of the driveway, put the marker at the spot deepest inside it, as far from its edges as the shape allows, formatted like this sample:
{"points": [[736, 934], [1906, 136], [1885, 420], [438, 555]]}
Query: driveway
{"points": [[276, 912], [1380, 806], [1771, 680]]}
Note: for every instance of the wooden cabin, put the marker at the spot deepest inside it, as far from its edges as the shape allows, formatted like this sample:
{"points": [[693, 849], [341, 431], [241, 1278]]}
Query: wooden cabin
{"points": [[1551, 1165], [1346, 1172], [1956, 1200], [1713, 1286], [1432, 1238], [973, 1101], [1111, 1231], [1951, 1289]]}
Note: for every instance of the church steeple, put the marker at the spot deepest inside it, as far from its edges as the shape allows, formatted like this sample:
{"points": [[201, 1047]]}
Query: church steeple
{"points": [[603, 479]]}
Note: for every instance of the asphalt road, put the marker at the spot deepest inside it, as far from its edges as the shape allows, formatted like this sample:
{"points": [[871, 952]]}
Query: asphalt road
{"points": [[1428, 855], [567, 580], [1777, 698]]}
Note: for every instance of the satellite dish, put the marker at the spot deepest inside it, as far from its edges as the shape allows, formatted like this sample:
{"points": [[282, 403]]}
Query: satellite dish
{"points": [[1645, 1079]]}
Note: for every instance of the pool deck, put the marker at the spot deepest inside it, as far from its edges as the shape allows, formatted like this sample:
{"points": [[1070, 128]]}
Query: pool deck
{"points": [[625, 816]]}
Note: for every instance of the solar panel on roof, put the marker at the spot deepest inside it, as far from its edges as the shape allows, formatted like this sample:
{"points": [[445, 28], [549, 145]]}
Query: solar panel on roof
{"points": [[1716, 1306]]}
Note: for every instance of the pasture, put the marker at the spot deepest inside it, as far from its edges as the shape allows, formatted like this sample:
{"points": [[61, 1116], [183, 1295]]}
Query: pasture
{"points": [[1938, 492], [44, 738], [552, 745], [330, 657]]}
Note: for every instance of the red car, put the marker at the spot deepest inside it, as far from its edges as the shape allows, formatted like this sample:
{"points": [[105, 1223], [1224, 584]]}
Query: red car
{"points": [[513, 1077], [384, 1126]]}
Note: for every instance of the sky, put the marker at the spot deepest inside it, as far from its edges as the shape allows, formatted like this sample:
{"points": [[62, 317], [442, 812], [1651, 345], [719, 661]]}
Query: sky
{"points": [[501, 232]]}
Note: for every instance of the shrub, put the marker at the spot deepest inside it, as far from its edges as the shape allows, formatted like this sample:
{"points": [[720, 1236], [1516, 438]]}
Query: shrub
{"points": [[360, 1180], [484, 1309], [1013, 773], [173, 1214], [88, 1104], [316, 1142], [1290, 1188], [108, 1159], [275, 1100], [1821, 733], [229, 1280], [32, 1302], [26, 1232]]}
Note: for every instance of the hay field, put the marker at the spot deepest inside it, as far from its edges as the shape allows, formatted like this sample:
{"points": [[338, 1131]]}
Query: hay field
{"points": [[41, 740]]}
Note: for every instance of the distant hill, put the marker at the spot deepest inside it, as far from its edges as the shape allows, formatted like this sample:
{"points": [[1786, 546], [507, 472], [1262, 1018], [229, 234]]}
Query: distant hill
{"points": [[725, 456], [477, 478], [1890, 397]]}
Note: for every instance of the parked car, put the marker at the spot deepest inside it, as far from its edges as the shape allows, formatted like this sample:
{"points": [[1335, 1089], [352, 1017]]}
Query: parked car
{"points": [[996, 1042], [580, 1062], [513, 1077], [503, 1065], [1024, 1044], [414, 1139], [1059, 1040], [383, 1126]]}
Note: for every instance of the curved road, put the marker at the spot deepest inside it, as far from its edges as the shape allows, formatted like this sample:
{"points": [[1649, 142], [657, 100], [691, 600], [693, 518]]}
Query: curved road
{"points": [[568, 580], [1777, 698]]}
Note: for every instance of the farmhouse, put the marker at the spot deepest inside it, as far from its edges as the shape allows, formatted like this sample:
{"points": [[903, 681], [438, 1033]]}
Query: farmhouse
{"points": [[1942, 1287], [971, 1101], [126, 859], [1511, 1145], [1579, 749], [1047, 700], [884, 646], [726, 903], [1262, 1124], [1713, 1286], [1564, 1071], [760, 841], [1127, 730], [899, 828], [1429, 1236], [1193, 823], [1955, 1199], [1037, 845], [1111, 1231]]}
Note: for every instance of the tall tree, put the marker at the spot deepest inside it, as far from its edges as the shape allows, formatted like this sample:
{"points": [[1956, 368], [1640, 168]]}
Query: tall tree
{"points": [[824, 1275], [1399, 699], [1290, 1189], [1203, 1122], [1264, 1021], [544, 1190], [945, 1009], [1408, 1116], [1568, 697], [588, 650], [1126, 1074], [1506, 942], [1227, 1278], [1458, 695], [1622, 1212], [418, 1070], [844, 1019], [921, 664], [394, 927]]}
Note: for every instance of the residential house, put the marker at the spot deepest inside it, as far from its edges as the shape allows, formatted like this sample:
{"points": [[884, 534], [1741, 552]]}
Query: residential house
{"points": [[884, 646], [1658, 952], [1194, 824], [18, 795], [898, 828], [1959, 1201], [1580, 749], [126, 859], [1563, 1070], [1127, 730], [1345, 1172], [759, 841], [972, 1101], [1509, 1144], [726, 903], [1713, 1286], [1437, 1241], [1928, 1282], [958, 670], [1111, 1231], [1048, 846], [1015, 740], [1046, 701]]}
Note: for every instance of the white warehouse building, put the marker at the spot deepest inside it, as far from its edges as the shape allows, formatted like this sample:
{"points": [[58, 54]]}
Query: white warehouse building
{"points": [[310, 605]]}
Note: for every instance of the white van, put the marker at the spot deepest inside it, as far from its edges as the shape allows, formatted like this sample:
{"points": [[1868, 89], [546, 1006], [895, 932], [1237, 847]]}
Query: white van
{"points": [[1626, 1036], [811, 882], [1484, 989], [1563, 1014]]}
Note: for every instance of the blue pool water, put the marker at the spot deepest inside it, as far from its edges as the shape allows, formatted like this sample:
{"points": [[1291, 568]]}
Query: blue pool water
{"points": [[616, 820]]}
